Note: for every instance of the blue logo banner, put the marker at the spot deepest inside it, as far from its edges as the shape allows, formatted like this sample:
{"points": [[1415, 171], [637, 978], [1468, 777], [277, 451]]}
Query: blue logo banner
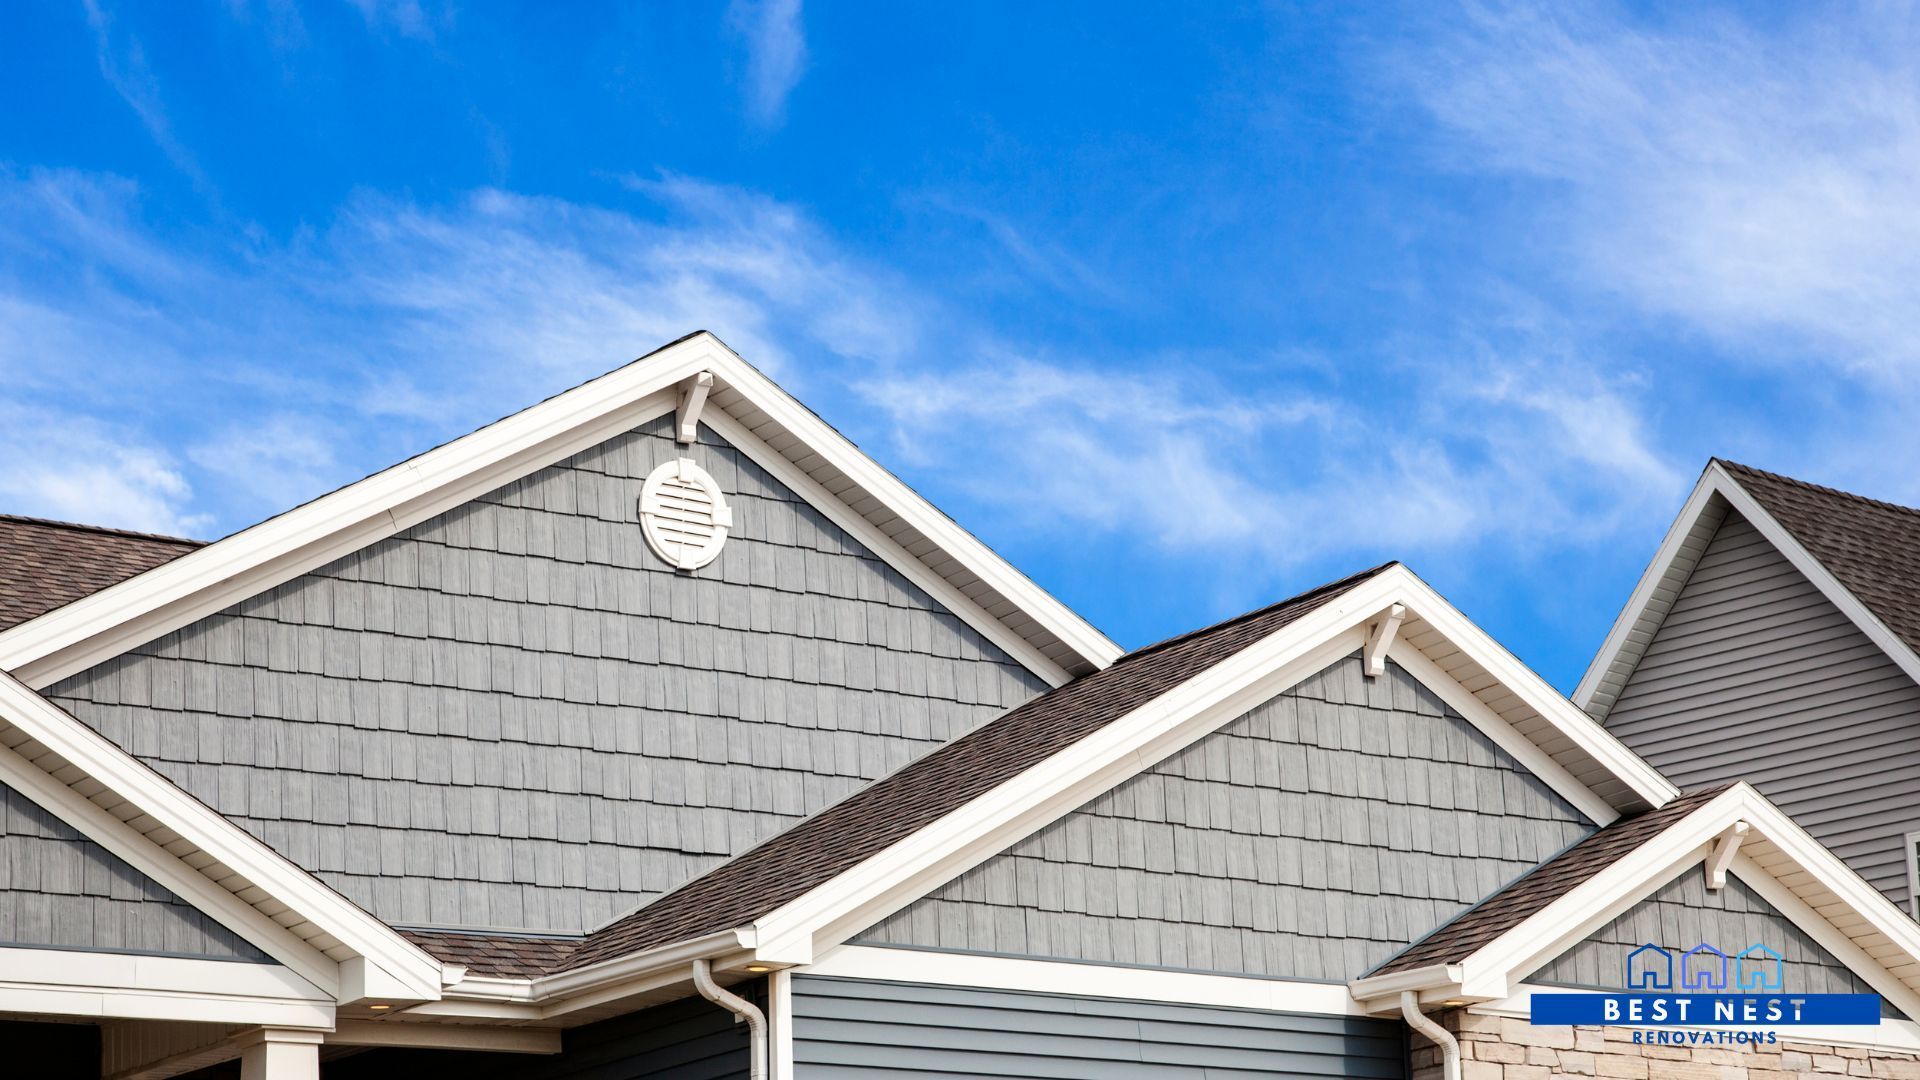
{"points": [[1655, 1010]]}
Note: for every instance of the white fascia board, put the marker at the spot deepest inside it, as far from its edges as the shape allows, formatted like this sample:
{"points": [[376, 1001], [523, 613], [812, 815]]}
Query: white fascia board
{"points": [[1495, 727], [1828, 936], [1492, 969], [846, 458], [62, 982], [556, 995], [1643, 590], [1083, 980], [500, 1040], [912, 568], [1380, 994], [1717, 481], [399, 969], [780, 1025], [1569, 720], [121, 617]]}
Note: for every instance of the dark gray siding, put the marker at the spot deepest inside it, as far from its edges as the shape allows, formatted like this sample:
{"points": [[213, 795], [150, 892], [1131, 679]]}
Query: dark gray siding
{"points": [[690, 1039], [1754, 675], [515, 715], [873, 1030], [1685, 913], [60, 890], [1311, 838]]}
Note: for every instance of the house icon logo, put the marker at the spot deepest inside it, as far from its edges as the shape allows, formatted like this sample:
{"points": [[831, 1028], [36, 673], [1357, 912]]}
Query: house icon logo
{"points": [[1649, 967], [1706, 969], [1760, 968]]}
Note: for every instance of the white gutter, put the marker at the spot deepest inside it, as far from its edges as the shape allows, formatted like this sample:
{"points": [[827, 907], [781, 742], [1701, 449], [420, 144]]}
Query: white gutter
{"points": [[1422, 1023], [742, 1009]]}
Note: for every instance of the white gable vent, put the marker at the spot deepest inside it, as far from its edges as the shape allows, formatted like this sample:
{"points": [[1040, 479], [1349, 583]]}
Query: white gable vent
{"points": [[683, 514]]}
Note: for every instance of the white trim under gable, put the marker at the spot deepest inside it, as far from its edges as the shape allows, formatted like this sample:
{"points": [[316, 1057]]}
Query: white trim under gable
{"points": [[909, 869], [65, 982], [980, 586], [1716, 492], [1084, 980]]}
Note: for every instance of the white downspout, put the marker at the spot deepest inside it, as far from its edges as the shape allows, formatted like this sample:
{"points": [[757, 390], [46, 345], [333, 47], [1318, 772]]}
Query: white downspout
{"points": [[757, 1021], [1422, 1023]]}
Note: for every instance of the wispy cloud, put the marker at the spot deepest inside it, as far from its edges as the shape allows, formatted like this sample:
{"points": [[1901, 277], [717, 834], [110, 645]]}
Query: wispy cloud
{"points": [[123, 63], [408, 18], [1756, 185], [776, 54]]}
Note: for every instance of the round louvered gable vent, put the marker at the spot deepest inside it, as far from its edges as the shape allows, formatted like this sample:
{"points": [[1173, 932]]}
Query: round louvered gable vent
{"points": [[683, 514]]}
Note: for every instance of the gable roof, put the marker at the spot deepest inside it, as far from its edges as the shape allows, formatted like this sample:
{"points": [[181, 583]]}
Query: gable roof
{"points": [[889, 843], [1486, 952], [743, 406], [1862, 554], [46, 564]]}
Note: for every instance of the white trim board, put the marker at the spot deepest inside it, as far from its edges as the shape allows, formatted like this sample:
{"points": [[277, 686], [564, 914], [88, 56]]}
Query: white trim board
{"points": [[64, 982], [909, 869], [108, 623], [1640, 620], [1083, 980]]}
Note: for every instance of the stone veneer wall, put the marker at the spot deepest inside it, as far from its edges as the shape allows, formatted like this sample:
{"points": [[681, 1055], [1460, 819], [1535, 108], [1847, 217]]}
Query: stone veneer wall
{"points": [[1497, 1048]]}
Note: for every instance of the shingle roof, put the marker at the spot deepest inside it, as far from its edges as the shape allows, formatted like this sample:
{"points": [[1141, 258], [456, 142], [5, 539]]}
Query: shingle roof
{"points": [[893, 808], [1871, 547], [1542, 885], [47, 564], [513, 956]]}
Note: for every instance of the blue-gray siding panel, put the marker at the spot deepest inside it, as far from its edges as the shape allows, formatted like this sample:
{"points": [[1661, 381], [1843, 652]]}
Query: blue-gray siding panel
{"points": [[1311, 838], [1684, 913], [60, 890], [1754, 675], [515, 715], [861, 1030]]}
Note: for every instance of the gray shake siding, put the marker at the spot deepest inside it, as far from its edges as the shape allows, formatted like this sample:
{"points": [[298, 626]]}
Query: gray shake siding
{"points": [[515, 715], [1311, 838], [60, 890], [847, 1029], [1684, 913], [1754, 675]]}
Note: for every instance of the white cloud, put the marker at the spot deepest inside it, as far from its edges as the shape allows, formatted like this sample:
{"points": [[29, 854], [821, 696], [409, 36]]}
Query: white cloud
{"points": [[776, 54], [77, 469], [1755, 185], [123, 63]]}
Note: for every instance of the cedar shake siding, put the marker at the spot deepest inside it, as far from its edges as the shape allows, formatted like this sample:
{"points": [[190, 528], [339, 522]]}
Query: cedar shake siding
{"points": [[1312, 838], [60, 890], [1754, 675], [515, 715]]}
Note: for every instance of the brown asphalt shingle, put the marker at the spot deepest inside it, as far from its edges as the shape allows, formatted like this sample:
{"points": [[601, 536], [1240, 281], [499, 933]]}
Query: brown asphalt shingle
{"points": [[893, 808], [47, 564], [1542, 885], [511, 956], [1872, 547]]}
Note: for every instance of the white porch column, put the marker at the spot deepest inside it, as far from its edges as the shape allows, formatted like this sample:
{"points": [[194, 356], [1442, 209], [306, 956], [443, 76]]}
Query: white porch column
{"points": [[280, 1054]]}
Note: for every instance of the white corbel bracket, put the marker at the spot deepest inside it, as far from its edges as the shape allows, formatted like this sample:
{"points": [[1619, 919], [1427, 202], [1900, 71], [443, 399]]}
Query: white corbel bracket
{"points": [[1724, 849], [693, 398], [1373, 658]]}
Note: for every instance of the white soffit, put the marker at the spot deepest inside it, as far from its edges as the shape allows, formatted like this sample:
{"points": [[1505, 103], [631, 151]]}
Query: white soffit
{"points": [[744, 406]]}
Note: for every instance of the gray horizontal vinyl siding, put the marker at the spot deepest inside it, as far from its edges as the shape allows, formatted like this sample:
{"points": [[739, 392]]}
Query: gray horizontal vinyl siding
{"points": [[60, 890], [1685, 913], [1312, 838], [860, 1030], [515, 715], [1754, 675]]}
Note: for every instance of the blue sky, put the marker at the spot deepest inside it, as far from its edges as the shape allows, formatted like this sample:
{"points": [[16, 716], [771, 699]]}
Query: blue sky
{"points": [[1182, 312]]}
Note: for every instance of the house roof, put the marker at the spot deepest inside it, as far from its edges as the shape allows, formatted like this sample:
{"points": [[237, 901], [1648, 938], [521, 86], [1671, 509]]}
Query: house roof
{"points": [[1862, 554], [893, 808], [1541, 886], [1873, 547], [45, 564], [743, 406]]}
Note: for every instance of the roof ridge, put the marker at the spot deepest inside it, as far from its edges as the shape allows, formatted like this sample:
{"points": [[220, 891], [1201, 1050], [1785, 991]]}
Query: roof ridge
{"points": [[1823, 489], [1343, 583], [108, 530]]}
